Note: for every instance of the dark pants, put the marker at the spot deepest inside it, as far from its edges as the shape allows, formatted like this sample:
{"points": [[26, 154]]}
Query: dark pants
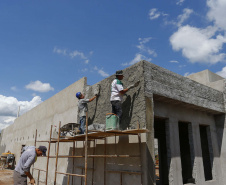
{"points": [[82, 124], [19, 179], [117, 108]]}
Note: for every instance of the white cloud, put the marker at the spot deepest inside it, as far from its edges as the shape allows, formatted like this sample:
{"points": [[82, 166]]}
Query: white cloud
{"points": [[39, 86], [217, 12], [101, 72], [9, 108], [13, 88], [84, 70], [183, 17], [198, 45], [154, 13], [138, 57], [143, 49], [187, 74], [60, 51], [203, 45], [173, 61], [72, 54], [180, 66], [180, 2], [77, 53], [222, 72]]}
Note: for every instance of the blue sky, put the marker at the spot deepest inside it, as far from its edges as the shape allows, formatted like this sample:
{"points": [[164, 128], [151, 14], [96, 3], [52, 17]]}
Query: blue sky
{"points": [[47, 45]]}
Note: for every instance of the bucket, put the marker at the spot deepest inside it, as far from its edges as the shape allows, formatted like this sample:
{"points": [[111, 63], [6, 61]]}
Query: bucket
{"points": [[112, 121]]}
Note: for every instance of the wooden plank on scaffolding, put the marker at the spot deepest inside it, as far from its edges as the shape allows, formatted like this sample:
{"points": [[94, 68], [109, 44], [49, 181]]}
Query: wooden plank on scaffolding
{"points": [[101, 134], [125, 171], [78, 175]]}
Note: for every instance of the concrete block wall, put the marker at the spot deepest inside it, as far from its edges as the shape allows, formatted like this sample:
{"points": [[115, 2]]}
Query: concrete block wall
{"points": [[61, 107], [139, 106], [163, 82], [173, 114], [133, 102]]}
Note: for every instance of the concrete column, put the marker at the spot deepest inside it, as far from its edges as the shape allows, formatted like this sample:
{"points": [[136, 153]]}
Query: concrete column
{"points": [[173, 151], [149, 156], [223, 152], [216, 167], [198, 170], [192, 152]]}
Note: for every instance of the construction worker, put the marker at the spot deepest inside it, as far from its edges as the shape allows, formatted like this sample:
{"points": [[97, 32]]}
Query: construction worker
{"points": [[83, 108], [28, 157], [117, 92]]}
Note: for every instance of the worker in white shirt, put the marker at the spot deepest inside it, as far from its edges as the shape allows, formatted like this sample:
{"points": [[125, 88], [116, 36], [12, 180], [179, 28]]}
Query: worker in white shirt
{"points": [[117, 92]]}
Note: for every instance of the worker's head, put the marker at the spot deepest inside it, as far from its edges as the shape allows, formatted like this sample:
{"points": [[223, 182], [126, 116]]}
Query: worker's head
{"points": [[79, 95], [119, 74], [41, 150]]}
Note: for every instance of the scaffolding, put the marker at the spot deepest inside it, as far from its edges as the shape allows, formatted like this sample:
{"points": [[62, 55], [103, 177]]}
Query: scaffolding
{"points": [[87, 137]]}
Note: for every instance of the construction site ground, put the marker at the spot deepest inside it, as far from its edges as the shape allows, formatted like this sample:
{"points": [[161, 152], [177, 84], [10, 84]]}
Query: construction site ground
{"points": [[6, 177]]}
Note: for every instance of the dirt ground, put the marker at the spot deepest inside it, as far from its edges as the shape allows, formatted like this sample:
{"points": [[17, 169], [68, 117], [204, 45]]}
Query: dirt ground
{"points": [[6, 177]]}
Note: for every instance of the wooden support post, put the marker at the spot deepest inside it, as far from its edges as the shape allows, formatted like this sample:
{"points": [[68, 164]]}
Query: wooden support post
{"points": [[47, 163], [115, 145], [58, 142], [38, 177], [141, 167], [68, 179], [121, 178], [105, 152], [94, 147], [35, 147], [86, 148], [73, 167]]}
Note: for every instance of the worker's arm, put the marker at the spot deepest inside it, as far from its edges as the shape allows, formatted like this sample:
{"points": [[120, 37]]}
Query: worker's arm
{"points": [[129, 87], [27, 165], [32, 180], [91, 99], [124, 91]]}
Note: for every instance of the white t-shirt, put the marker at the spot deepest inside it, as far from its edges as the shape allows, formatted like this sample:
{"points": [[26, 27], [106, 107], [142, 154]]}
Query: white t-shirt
{"points": [[116, 87], [83, 107]]}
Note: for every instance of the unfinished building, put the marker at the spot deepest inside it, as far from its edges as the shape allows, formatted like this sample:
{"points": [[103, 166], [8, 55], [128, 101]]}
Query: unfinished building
{"points": [[185, 117]]}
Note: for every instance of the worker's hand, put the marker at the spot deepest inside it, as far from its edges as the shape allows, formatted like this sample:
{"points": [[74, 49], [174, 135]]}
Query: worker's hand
{"points": [[133, 85], [130, 86], [137, 83], [32, 181]]}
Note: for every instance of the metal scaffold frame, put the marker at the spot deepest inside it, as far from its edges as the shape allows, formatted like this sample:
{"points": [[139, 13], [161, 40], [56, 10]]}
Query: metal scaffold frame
{"points": [[90, 136]]}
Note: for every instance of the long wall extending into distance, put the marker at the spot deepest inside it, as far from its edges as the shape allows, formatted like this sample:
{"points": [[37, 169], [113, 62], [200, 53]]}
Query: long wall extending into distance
{"points": [[186, 121]]}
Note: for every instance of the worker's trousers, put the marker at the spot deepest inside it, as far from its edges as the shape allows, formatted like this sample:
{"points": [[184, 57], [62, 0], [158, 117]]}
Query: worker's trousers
{"points": [[117, 108], [82, 124], [19, 179]]}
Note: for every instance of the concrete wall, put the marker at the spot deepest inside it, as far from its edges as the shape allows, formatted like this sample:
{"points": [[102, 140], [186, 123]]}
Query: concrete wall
{"points": [[161, 93], [209, 79], [133, 102], [160, 81], [134, 112], [176, 98], [175, 114], [61, 107]]}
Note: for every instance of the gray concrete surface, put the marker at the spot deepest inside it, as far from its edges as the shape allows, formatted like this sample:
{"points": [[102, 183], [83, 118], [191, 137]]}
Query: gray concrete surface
{"points": [[209, 79], [161, 95]]}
